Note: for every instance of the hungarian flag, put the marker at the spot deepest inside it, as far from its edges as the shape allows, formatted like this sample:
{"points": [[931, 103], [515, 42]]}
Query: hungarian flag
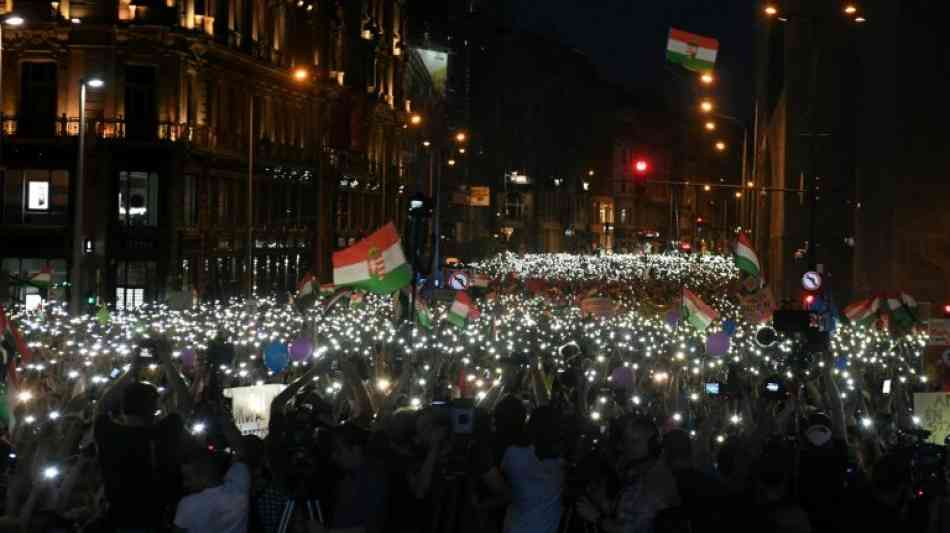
{"points": [[306, 292], [327, 289], [693, 52], [356, 299], [423, 315], [746, 260], [11, 342], [42, 279], [462, 309], [903, 310], [376, 263], [698, 314], [863, 312]]}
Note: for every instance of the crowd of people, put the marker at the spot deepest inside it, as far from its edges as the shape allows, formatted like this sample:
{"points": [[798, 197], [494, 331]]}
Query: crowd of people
{"points": [[544, 451]]}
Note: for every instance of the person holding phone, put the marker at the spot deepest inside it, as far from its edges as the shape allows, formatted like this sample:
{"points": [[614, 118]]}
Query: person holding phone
{"points": [[139, 452]]}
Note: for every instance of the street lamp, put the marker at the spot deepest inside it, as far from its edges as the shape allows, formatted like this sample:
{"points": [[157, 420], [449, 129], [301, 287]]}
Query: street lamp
{"points": [[75, 276], [850, 9], [12, 20], [415, 119], [707, 78], [720, 146], [710, 126], [426, 144], [771, 10], [300, 74], [451, 162], [707, 188], [460, 137], [706, 106]]}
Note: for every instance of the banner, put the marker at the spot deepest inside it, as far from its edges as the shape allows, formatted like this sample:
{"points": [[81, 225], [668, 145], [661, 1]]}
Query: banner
{"points": [[437, 63], [933, 409], [251, 407]]}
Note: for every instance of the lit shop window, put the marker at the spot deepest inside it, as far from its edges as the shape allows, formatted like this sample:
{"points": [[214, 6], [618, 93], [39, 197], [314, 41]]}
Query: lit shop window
{"points": [[37, 195]]}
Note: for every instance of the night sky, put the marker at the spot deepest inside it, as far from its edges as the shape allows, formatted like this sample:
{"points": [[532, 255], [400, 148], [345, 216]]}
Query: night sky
{"points": [[626, 39]]}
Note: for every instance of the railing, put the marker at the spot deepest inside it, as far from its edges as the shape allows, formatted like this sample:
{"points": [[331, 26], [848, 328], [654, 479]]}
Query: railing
{"points": [[119, 128]]}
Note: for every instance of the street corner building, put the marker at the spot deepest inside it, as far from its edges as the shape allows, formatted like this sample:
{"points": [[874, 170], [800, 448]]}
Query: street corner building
{"points": [[227, 146]]}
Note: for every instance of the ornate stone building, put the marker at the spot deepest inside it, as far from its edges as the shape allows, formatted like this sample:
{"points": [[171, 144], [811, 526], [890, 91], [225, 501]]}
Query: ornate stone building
{"points": [[313, 89]]}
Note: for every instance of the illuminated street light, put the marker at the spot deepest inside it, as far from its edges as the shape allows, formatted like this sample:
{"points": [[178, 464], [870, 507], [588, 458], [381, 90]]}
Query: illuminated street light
{"points": [[720, 146], [738, 194], [461, 150], [707, 188], [590, 172], [706, 106], [850, 9], [750, 184], [300, 74], [426, 144], [461, 137], [415, 119], [707, 78], [451, 162], [771, 10], [860, 19], [14, 20], [711, 126]]}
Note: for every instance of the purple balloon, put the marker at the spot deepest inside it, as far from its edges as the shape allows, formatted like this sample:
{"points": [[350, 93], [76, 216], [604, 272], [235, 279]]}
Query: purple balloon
{"points": [[301, 349], [187, 357], [673, 318], [717, 344], [622, 377]]}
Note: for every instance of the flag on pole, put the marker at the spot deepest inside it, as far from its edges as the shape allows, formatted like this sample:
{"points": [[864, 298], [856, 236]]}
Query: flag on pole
{"points": [[356, 299], [42, 279], [745, 257], [306, 292], [327, 289], [423, 315], [11, 342], [462, 309], [903, 310], [376, 263], [698, 314], [693, 52], [863, 312]]}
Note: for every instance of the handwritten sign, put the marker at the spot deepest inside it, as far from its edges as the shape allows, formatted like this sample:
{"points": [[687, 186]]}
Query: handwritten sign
{"points": [[933, 408], [251, 407]]}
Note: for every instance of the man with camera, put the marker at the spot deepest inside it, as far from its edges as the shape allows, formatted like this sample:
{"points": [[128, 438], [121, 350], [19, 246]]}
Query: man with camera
{"points": [[138, 451]]}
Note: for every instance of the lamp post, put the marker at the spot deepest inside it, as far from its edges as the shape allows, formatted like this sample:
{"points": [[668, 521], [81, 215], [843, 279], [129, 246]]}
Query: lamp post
{"points": [[75, 276], [12, 20]]}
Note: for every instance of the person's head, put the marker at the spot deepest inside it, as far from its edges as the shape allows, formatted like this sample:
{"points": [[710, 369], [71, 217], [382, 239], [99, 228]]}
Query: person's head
{"points": [[817, 430], [510, 418], [637, 438], [788, 518], [889, 480], [544, 432], [678, 449], [201, 470], [349, 445], [140, 401]]}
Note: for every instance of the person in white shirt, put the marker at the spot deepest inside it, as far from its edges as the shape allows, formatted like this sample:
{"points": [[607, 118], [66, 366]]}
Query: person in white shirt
{"points": [[217, 505]]}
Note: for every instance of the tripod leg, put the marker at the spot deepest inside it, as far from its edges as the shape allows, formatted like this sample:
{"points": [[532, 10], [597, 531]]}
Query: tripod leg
{"points": [[286, 516]]}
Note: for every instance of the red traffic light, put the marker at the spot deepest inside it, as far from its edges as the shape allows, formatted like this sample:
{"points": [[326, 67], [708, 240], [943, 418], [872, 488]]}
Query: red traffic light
{"points": [[809, 299], [699, 220], [946, 311], [641, 166]]}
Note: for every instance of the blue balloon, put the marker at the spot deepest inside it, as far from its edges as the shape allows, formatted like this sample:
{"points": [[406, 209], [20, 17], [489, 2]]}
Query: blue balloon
{"points": [[729, 327], [841, 363], [276, 356]]}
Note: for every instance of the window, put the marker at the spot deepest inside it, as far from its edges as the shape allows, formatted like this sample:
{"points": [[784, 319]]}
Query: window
{"points": [[514, 205], [623, 216], [189, 206], [37, 195], [34, 196], [37, 113], [132, 282], [138, 198], [141, 109]]}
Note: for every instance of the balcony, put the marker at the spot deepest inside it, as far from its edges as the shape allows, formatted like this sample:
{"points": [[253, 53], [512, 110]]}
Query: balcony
{"points": [[200, 137]]}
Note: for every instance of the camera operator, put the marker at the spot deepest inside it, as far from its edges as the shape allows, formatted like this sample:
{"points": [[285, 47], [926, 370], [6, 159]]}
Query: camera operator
{"points": [[138, 453]]}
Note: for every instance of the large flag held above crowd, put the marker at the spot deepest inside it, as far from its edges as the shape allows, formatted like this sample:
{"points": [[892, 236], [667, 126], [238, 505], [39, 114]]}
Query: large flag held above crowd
{"points": [[746, 260], [693, 52], [698, 314], [375, 264]]}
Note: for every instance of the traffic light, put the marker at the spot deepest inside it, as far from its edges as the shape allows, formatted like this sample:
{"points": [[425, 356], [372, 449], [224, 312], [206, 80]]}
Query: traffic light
{"points": [[641, 167], [700, 224], [946, 311]]}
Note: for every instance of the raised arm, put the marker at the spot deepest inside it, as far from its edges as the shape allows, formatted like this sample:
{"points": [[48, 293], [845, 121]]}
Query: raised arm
{"points": [[184, 403], [835, 405]]}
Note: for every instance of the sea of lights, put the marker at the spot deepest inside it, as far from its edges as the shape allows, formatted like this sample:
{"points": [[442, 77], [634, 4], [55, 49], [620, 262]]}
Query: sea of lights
{"points": [[78, 353]]}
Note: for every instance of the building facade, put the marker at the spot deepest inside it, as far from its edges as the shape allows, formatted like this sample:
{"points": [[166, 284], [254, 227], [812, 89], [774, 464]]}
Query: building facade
{"points": [[220, 126]]}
